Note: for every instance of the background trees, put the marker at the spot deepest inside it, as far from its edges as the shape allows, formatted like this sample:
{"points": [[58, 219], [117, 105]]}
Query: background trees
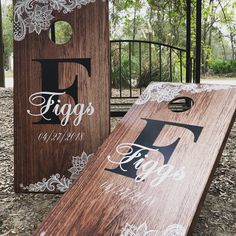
{"points": [[2, 81], [165, 22], [7, 26]]}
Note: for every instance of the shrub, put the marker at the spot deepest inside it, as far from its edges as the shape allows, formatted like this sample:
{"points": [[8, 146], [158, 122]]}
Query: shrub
{"points": [[223, 67]]}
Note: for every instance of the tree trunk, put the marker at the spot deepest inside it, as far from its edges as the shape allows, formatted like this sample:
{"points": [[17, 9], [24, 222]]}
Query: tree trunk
{"points": [[223, 46], [232, 45], [204, 39], [134, 29], [134, 23], [2, 79]]}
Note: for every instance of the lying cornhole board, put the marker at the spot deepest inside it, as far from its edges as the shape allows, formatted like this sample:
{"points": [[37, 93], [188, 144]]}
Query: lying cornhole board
{"points": [[61, 90], [151, 175]]}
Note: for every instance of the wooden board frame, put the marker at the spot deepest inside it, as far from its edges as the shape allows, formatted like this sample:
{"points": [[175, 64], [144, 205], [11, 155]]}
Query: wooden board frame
{"points": [[73, 82], [109, 199]]}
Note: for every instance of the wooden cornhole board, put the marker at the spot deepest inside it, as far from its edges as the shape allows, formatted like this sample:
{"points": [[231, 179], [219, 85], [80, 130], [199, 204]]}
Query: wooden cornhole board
{"points": [[153, 171], [69, 78]]}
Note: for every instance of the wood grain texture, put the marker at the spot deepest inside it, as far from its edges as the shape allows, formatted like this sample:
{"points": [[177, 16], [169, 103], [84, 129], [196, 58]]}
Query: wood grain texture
{"points": [[86, 209], [36, 160]]}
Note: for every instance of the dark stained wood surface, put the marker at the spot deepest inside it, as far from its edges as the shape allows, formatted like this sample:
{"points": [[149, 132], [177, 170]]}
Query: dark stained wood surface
{"points": [[87, 209], [35, 160]]}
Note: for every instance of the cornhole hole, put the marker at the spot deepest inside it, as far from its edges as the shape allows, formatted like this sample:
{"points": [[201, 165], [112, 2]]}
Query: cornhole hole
{"points": [[152, 173], [58, 106]]}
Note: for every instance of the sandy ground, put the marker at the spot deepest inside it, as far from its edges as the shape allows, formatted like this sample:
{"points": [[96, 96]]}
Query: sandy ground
{"points": [[219, 81], [20, 214], [210, 80]]}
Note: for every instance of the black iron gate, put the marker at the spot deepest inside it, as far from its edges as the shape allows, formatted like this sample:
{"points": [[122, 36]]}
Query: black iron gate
{"points": [[135, 63]]}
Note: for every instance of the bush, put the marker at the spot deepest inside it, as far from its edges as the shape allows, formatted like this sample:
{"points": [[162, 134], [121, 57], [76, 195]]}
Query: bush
{"points": [[137, 67], [223, 67]]}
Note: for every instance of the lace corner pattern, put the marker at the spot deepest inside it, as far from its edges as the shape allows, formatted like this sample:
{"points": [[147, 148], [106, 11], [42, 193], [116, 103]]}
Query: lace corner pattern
{"points": [[165, 92], [142, 230], [60, 183], [36, 15]]}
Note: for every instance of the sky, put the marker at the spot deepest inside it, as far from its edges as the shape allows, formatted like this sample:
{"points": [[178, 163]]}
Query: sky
{"points": [[6, 1]]}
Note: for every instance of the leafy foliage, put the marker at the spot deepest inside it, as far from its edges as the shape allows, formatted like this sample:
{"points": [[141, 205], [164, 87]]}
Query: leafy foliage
{"points": [[165, 22], [159, 21], [223, 67], [63, 32], [137, 64]]}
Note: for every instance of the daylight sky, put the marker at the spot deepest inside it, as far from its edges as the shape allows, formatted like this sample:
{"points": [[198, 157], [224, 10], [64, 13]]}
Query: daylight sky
{"points": [[6, 1]]}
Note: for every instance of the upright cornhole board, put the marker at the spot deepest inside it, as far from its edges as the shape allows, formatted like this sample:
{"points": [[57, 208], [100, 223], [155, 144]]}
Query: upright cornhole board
{"points": [[152, 173], [61, 93]]}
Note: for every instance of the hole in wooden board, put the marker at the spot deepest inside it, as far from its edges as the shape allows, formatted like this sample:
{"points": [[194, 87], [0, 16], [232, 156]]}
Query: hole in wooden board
{"points": [[60, 32], [181, 104]]}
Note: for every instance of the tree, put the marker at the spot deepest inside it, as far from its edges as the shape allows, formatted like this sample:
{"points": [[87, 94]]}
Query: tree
{"points": [[165, 22], [228, 12], [8, 34], [2, 79]]}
